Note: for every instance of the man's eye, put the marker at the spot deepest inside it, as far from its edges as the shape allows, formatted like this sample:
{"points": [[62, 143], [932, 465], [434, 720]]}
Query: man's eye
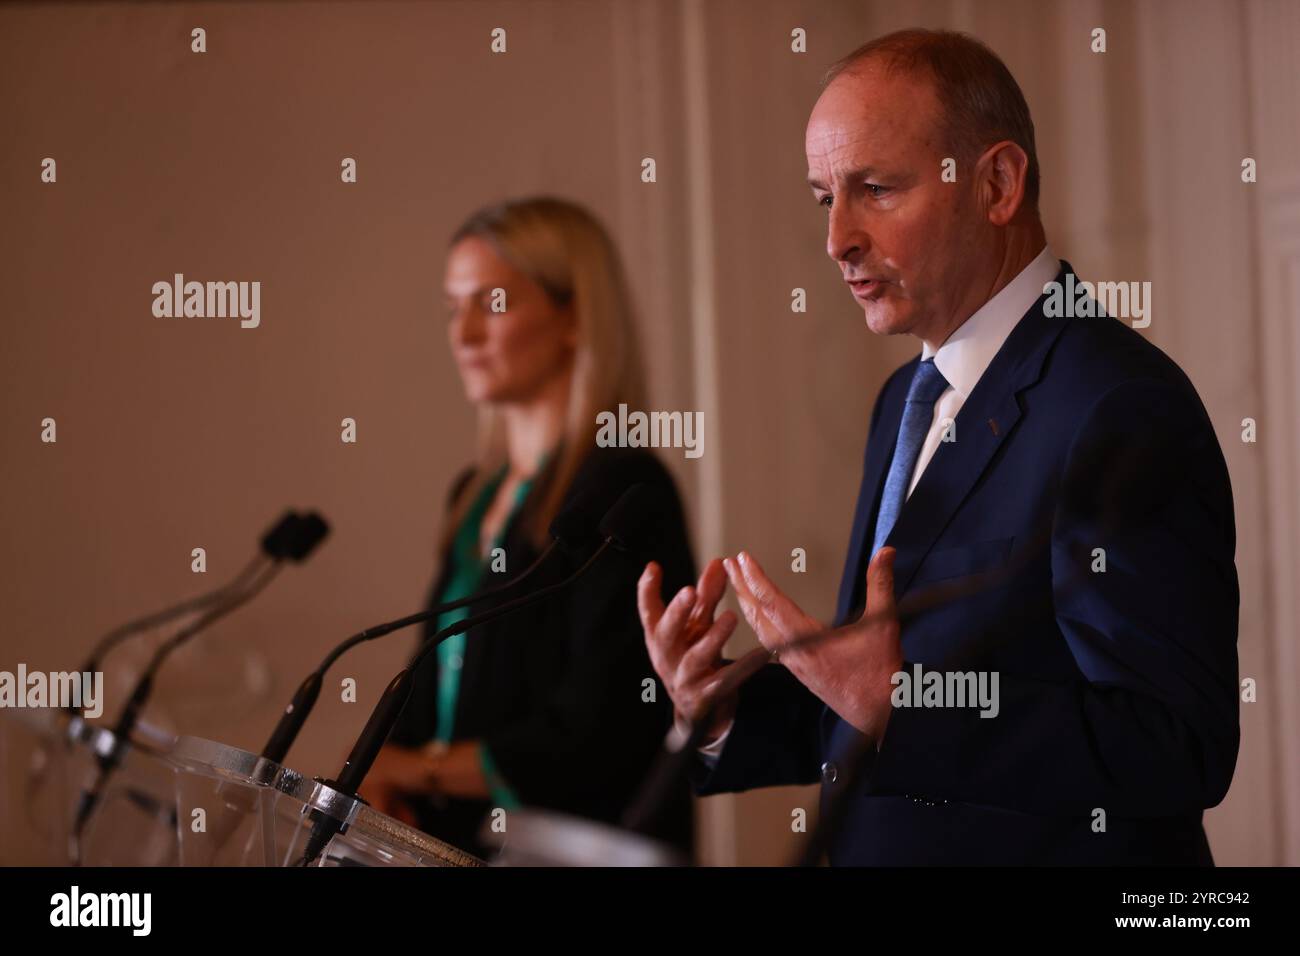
{"points": [[825, 201], [876, 191]]}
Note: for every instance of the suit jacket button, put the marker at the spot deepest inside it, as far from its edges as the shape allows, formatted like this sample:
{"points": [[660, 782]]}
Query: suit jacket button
{"points": [[829, 772]]}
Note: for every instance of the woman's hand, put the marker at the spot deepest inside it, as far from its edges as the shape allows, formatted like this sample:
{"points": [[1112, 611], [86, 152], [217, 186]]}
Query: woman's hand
{"points": [[458, 771], [397, 772]]}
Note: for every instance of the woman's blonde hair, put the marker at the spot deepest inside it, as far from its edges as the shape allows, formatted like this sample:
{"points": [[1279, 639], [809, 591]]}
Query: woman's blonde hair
{"points": [[565, 250]]}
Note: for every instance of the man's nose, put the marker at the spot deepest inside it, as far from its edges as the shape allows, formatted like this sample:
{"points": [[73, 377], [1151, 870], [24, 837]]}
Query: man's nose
{"points": [[845, 239]]}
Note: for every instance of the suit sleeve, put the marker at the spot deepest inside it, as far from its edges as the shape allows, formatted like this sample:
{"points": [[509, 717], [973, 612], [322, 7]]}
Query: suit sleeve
{"points": [[774, 740], [1149, 726]]}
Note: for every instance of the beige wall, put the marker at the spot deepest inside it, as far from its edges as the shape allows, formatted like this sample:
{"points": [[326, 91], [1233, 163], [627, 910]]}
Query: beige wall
{"points": [[175, 434]]}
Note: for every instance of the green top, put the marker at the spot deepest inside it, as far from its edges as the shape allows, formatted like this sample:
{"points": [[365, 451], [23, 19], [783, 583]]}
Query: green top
{"points": [[467, 568]]}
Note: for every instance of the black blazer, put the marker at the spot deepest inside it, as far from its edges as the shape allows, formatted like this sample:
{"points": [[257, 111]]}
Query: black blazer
{"points": [[556, 690]]}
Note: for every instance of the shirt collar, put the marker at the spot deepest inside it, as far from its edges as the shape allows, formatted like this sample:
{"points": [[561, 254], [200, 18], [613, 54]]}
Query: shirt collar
{"points": [[964, 356]]}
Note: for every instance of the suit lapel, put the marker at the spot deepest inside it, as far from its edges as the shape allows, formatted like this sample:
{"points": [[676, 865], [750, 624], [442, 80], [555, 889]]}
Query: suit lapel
{"points": [[985, 422]]}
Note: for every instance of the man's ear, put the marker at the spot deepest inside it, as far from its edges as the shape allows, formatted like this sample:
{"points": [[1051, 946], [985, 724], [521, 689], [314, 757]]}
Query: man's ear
{"points": [[1002, 171]]}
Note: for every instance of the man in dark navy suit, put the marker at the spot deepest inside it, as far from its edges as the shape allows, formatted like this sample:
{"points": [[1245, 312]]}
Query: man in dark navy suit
{"points": [[1076, 701]]}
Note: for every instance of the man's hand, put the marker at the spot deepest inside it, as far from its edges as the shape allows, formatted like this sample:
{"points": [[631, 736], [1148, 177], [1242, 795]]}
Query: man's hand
{"points": [[849, 668], [685, 642]]}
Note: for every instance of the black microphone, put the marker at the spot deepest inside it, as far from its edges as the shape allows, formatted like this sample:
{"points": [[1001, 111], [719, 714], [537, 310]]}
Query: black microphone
{"points": [[277, 541], [625, 527], [293, 539], [573, 529]]}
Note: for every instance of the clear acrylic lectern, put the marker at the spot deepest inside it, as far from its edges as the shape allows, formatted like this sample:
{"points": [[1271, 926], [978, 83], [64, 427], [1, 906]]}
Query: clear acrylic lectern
{"points": [[51, 768], [235, 808]]}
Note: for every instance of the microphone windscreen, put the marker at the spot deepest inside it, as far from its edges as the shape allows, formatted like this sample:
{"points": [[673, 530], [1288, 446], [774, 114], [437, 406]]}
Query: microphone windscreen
{"points": [[311, 531], [635, 522], [277, 542]]}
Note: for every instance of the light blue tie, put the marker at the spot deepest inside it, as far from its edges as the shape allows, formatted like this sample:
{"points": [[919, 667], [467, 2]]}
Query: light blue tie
{"points": [[928, 384]]}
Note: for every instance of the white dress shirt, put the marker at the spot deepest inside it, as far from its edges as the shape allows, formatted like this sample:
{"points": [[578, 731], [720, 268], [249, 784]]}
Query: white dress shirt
{"points": [[962, 360]]}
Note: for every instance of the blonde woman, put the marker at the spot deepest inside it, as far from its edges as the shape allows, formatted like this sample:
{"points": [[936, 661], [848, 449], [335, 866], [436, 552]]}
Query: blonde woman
{"points": [[544, 708]]}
